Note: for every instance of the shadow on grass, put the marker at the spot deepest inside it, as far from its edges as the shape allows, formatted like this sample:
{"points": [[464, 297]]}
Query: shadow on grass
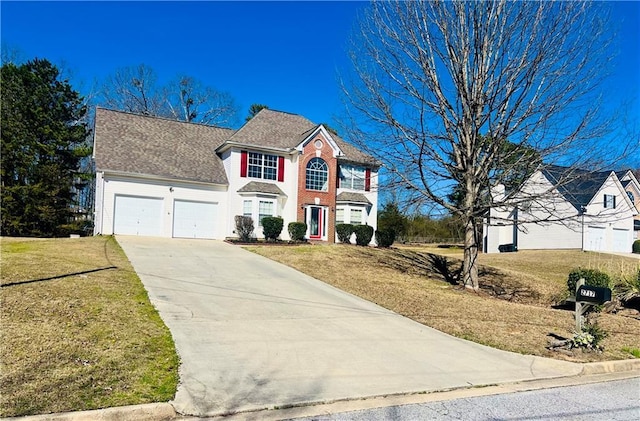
{"points": [[51, 278], [493, 282]]}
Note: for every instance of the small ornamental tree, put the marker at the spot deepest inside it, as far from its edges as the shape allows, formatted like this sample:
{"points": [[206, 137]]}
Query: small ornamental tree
{"points": [[244, 227], [364, 233], [297, 231], [272, 227], [344, 232]]}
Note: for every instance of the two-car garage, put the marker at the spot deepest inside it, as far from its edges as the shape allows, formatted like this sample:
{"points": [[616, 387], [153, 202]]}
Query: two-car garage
{"points": [[607, 239], [137, 215]]}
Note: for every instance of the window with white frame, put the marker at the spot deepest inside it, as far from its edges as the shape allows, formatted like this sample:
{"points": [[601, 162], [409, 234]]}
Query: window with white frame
{"points": [[339, 215], [609, 201], [265, 208], [317, 175], [631, 197], [262, 166], [352, 177], [355, 216], [247, 208]]}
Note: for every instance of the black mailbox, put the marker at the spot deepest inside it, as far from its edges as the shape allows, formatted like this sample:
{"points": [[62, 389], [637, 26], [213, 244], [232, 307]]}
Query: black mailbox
{"points": [[596, 295]]}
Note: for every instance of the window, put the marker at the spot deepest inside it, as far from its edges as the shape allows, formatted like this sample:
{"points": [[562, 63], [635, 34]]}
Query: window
{"points": [[633, 200], [340, 216], [352, 177], [247, 208], [265, 209], [356, 216], [317, 175], [609, 201], [262, 166]]}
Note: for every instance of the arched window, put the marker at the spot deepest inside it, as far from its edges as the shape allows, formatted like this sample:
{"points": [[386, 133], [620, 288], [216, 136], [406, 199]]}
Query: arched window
{"points": [[317, 175]]}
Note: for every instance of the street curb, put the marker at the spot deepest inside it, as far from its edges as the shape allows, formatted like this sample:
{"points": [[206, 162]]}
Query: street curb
{"points": [[146, 412], [610, 367], [165, 412]]}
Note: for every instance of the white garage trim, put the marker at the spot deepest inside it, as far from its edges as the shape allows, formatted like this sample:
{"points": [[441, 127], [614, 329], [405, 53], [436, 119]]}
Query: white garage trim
{"points": [[137, 215], [192, 219]]}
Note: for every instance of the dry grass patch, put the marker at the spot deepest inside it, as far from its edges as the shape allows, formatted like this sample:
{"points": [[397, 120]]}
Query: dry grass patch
{"points": [[78, 330], [399, 280]]}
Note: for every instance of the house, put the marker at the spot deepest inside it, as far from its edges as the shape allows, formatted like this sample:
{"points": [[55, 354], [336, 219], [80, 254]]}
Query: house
{"points": [[166, 178], [562, 208], [632, 187]]}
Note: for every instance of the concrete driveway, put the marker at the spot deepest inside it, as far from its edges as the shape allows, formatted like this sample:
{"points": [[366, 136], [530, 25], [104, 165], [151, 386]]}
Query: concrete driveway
{"points": [[254, 334]]}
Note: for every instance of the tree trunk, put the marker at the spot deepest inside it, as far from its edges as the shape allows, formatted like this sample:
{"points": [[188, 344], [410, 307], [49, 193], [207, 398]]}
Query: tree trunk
{"points": [[470, 263]]}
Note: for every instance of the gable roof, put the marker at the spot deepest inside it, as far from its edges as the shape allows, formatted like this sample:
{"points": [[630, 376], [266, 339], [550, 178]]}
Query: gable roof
{"points": [[135, 144], [577, 186], [282, 130], [350, 197]]}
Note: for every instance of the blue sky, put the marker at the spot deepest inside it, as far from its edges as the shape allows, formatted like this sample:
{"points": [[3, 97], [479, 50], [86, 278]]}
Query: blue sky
{"points": [[283, 54]]}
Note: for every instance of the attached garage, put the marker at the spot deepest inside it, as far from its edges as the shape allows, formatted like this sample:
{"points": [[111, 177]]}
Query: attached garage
{"points": [[596, 239], [194, 219], [135, 215], [622, 240]]}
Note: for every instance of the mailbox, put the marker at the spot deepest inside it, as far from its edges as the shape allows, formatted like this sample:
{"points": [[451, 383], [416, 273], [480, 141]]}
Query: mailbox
{"points": [[596, 295]]}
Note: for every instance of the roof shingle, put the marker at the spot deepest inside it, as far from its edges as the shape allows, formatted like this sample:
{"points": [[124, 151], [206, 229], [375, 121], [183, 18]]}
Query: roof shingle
{"points": [[156, 146]]}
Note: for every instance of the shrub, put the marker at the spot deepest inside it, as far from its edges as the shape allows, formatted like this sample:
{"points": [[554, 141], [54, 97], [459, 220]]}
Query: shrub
{"points": [[297, 230], [628, 287], [244, 227], [592, 277], [385, 238], [272, 227], [636, 247], [364, 233], [590, 338], [344, 232]]}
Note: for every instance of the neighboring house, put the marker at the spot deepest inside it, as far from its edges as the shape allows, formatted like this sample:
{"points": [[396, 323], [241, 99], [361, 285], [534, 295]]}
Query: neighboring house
{"points": [[166, 178], [632, 187], [559, 208]]}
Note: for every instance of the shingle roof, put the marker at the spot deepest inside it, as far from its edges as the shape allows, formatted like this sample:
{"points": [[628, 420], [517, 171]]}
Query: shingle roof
{"points": [[156, 146], [283, 130], [258, 187], [352, 198], [576, 185]]}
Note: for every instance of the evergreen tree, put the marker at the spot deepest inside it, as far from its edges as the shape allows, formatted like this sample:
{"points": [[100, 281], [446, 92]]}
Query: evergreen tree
{"points": [[43, 140]]}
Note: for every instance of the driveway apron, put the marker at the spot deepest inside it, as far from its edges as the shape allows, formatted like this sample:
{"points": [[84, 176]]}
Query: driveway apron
{"points": [[255, 334]]}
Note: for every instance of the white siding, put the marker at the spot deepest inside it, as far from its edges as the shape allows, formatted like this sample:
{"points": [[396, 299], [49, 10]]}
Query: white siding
{"points": [[167, 191]]}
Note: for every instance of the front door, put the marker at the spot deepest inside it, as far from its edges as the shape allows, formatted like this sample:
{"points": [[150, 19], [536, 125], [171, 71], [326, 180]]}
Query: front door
{"points": [[316, 220], [315, 223]]}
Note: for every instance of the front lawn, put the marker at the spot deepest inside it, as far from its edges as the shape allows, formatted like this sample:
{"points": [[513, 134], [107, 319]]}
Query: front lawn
{"points": [[512, 312], [77, 329]]}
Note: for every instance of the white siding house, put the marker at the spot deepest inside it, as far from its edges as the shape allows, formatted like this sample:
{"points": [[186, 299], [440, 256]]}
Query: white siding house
{"points": [[166, 178], [586, 210]]}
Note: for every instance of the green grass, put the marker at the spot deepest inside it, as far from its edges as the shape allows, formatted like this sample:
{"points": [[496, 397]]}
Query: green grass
{"points": [[633, 351], [78, 330]]}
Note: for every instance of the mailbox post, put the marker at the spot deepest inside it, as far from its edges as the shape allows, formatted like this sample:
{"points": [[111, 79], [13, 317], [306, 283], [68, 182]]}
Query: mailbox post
{"points": [[586, 296]]}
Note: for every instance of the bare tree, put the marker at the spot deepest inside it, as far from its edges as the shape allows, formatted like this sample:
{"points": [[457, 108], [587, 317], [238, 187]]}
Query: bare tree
{"points": [[135, 89], [440, 87], [188, 100]]}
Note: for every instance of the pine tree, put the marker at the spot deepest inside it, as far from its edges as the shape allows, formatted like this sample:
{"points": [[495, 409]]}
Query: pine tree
{"points": [[43, 141]]}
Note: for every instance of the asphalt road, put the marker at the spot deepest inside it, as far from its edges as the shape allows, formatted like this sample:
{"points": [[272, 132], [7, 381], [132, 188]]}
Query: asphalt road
{"points": [[614, 400]]}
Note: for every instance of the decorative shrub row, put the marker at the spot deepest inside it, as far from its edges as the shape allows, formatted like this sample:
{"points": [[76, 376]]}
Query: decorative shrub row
{"points": [[344, 232], [297, 231], [364, 233], [244, 227], [385, 238], [272, 227]]}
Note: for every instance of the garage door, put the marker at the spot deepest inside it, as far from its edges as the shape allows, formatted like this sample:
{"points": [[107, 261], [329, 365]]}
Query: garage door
{"points": [[595, 239], [622, 240], [138, 216], [194, 219]]}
